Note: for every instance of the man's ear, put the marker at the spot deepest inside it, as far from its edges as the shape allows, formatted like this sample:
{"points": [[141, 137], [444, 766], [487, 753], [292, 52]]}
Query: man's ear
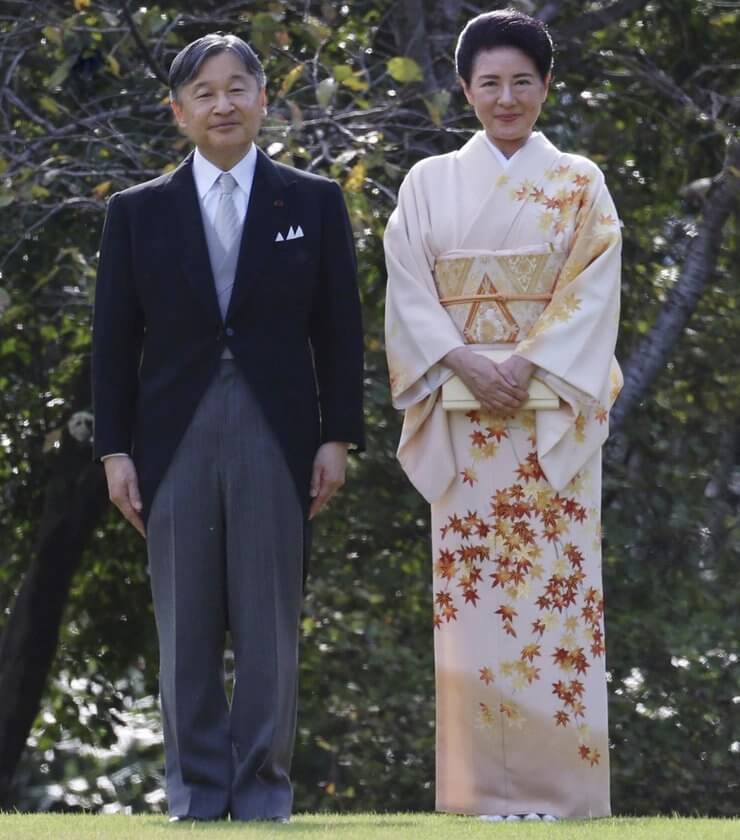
{"points": [[178, 112]]}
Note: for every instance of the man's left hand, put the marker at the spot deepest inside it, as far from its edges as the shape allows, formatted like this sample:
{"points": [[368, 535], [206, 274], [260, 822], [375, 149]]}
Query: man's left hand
{"points": [[329, 467]]}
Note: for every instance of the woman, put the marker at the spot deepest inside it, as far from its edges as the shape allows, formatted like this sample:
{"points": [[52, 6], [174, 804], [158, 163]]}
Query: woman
{"points": [[512, 243]]}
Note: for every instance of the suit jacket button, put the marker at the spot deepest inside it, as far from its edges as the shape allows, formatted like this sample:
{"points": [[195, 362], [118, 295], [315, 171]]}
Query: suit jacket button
{"points": [[229, 331]]}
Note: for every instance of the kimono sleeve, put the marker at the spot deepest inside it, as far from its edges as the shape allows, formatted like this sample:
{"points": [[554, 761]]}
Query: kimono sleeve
{"points": [[418, 331], [573, 342]]}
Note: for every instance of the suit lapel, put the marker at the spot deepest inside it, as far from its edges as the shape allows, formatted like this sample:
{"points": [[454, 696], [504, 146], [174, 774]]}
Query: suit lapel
{"points": [[196, 262], [266, 211]]}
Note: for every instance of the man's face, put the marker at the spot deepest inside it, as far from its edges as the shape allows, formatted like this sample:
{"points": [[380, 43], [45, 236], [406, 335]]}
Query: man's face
{"points": [[221, 109]]}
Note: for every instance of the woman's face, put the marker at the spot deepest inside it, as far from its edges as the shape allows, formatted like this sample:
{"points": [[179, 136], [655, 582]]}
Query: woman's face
{"points": [[507, 93]]}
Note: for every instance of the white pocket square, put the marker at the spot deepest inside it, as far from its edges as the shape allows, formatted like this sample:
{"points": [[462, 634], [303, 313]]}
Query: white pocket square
{"points": [[293, 233]]}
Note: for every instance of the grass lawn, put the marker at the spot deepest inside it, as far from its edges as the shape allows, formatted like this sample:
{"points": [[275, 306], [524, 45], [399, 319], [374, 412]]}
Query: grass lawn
{"points": [[361, 827]]}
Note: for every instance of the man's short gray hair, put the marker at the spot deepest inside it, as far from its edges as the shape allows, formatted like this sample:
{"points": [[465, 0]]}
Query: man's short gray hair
{"points": [[187, 63]]}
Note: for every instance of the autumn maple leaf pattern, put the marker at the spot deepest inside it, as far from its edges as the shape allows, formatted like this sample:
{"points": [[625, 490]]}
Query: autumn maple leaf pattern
{"points": [[499, 547]]}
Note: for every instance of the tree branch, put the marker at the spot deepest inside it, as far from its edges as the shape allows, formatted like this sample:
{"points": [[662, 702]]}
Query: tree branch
{"points": [[651, 355], [154, 65], [591, 21]]}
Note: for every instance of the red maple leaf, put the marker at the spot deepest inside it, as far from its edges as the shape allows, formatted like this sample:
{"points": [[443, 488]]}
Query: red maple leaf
{"points": [[570, 507], [524, 532], [474, 416], [478, 439], [471, 596], [561, 656], [443, 598], [580, 663], [584, 752], [538, 627], [455, 524], [561, 718], [551, 534], [486, 675], [587, 614]]}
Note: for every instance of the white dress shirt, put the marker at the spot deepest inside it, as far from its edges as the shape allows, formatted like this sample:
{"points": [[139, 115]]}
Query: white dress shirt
{"points": [[205, 175]]}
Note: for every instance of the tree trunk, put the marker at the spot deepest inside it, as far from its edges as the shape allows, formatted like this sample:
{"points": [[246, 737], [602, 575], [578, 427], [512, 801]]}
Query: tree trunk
{"points": [[75, 499]]}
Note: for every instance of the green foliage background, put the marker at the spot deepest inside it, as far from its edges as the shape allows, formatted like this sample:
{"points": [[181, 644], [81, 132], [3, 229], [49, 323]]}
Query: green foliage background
{"points": [[85, 115]]}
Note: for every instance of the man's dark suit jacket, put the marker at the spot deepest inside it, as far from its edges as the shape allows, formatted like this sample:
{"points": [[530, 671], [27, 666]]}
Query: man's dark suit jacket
{"points": [[293, 323]]}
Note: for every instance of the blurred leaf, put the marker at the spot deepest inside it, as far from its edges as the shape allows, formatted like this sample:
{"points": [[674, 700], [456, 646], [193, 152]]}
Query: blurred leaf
{"points": [[356, 177], [404, 70], [60, 73], [325, 91], [290, 79]]}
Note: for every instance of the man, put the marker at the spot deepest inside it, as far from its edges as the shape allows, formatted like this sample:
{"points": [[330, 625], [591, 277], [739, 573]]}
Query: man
{"points": [[227, 376]]}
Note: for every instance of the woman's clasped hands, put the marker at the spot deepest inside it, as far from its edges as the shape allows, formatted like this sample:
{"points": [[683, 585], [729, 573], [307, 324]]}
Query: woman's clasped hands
{"points": [[501, 388]]}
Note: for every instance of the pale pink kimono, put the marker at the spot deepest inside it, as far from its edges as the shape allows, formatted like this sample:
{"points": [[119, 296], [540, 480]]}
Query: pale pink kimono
{"points": [[525, 257]]}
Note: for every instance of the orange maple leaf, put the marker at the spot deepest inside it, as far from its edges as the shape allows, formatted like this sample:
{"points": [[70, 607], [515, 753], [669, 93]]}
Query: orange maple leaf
{"points": [[530, 651], [576, 687], [486, 675], [561, 718], [516, 491], [538, 627], [506, 612], [469, 476], [497, 430]]}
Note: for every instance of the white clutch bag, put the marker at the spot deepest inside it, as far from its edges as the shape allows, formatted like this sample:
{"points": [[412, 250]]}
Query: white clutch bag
{"points": [[457, 397]]}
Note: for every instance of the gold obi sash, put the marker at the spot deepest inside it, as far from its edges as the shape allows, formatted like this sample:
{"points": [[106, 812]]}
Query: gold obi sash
{"points": [[497, 296]]}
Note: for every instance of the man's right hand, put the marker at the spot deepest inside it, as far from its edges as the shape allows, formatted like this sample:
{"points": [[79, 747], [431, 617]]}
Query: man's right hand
{"points": [[123, 489], [489, 383]]}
